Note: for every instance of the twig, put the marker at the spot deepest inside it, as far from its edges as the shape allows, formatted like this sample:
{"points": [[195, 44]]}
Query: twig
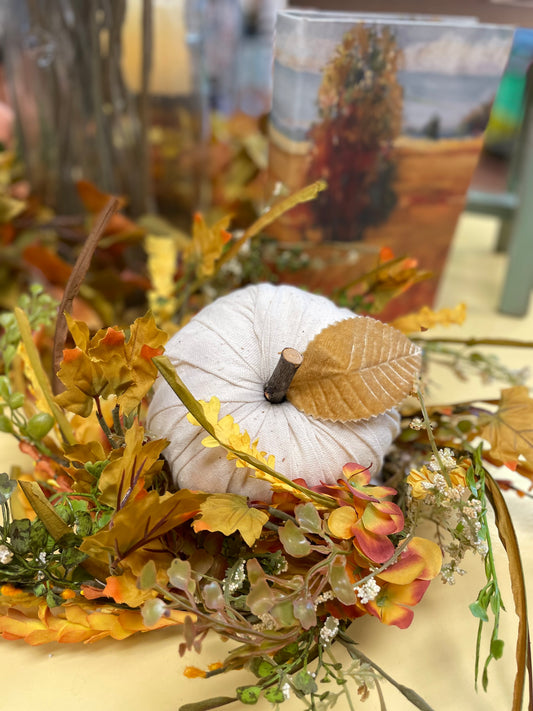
{"points": [[75, 281]]}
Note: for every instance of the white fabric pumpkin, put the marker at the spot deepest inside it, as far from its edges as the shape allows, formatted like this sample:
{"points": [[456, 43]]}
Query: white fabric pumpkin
{"points": [[230, 350]]}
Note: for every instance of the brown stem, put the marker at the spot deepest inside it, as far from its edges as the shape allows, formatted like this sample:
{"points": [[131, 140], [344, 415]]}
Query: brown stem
{"points": [[75, 280], [289, 362]]}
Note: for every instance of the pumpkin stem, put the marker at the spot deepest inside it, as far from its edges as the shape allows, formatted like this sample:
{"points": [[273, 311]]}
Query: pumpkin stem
{"points": [[289, 362]]}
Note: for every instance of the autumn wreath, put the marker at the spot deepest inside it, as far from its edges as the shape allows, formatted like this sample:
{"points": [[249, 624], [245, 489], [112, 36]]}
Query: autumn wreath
{"points": [[97, 540]]}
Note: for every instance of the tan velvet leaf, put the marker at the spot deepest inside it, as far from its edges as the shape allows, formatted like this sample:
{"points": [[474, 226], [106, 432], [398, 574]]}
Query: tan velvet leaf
{"points": [[355, 369]]}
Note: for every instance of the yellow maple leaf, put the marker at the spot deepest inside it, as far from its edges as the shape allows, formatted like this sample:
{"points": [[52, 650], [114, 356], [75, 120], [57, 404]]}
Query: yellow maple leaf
{"points": [[130, 468], [509, 431], [140, 523], [109, 364], [228, 513], [426, 318], [207, 244]]}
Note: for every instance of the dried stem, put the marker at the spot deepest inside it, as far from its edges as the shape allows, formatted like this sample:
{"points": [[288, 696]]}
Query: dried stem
{"points": [[75, 281], [280, 380]]}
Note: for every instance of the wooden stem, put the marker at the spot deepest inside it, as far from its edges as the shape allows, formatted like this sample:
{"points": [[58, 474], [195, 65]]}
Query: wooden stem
{"points": [[289, 362]]}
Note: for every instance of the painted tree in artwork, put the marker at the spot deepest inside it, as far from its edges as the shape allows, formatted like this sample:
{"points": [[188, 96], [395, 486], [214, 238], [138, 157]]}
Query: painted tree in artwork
{"points": [[360, 111]]}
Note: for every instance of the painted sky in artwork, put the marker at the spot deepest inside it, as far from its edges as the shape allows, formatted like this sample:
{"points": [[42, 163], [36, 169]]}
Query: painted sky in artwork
{"points": [[450, 67]]}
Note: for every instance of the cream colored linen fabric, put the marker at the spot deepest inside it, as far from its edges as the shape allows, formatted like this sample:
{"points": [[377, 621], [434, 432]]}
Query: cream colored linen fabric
{"points": [[229, 350]]}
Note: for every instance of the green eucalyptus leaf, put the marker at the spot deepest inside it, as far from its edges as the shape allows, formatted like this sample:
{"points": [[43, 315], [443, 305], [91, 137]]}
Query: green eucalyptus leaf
{"points": [[283, 613], [179, 575], [260, 598], [340, 583], [293, 540], [152, 611], [213, 597], [148, 576], [308, 518], [304, 610]]}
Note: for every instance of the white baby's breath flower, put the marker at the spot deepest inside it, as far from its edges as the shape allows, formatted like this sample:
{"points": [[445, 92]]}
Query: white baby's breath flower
{"points": [[329, 630], [368, 591], [6, 556]]}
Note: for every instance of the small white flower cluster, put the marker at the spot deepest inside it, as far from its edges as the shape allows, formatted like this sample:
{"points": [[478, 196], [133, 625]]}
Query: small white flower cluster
{"points": [[329, 630], [267, 623], [235, 578], [6, 556], [324, 597], [368, 591], [447, 460], [286, 690], [449, 571], [417, 423]]}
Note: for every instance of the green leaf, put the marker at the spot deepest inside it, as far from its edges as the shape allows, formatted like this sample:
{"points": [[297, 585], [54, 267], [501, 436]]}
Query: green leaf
{"points": [[249, 694], [5, 388], [39, 537], [340, 583], [303, 681], [96, 468], [83, 522], [262, 667], [293, 540], [179, 575], [213, 597], [16, 400], [19, 534], [69, 540], [496, 648], [152, 611], [7, 487], [478, 611], [274, 695], [148, 576], [53, 600], [55, 526], [5, 424], [72, 557], [260, 598], [39, 425], [308, 518], [304, 610]]}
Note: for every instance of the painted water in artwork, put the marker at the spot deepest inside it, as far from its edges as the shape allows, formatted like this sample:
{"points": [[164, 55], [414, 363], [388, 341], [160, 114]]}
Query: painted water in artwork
{"points": [[390, 111]]}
